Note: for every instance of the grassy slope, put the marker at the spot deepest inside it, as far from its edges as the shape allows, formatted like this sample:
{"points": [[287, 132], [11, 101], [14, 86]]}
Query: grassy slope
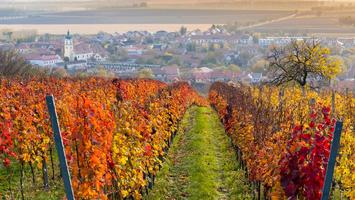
{"points": [[201, 163]]}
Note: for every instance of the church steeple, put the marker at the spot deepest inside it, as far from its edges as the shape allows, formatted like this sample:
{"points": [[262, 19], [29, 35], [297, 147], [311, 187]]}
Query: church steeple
{"points": [[69, 47], [68, 36]]}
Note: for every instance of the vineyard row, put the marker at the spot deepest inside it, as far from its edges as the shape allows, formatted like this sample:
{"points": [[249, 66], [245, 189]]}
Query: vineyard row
{"points": [[116, 133], [283, 137]]}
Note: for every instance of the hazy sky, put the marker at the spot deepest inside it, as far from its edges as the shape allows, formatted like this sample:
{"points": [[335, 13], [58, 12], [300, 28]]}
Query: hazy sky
{"points": [[160, 1]]}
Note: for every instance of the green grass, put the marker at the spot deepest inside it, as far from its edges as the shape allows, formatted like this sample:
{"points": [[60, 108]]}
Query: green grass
{"points": [[201, 163], [10, 178]]}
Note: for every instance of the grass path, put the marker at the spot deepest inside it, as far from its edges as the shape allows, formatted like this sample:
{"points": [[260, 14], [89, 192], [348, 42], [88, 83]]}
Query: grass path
{"points": [[201, 163]]}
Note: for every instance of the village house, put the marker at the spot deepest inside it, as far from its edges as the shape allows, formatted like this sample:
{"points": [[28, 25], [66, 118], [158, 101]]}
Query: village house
{"points": [[43, 60], [83, 51], [223, 75], [205, 40], [137, 50], [201, 75], [205, 75], [159, 46], [230, 57], [24, 48], [73, 65], [167, 73], [172, 73], [281, 41], [192, 59], [117, 68], [255, 78], [246, 40], [6, 46], [195, 32], [265, 42], [159, 74], [349, 42], [35, 47], [161, 35], [102, 37]]}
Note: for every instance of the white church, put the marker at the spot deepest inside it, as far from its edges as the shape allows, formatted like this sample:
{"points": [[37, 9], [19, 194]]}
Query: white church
{"points": [[75, 53]]}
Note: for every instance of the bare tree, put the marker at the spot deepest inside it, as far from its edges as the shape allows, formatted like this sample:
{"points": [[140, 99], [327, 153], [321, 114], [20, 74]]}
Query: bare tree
{"points": [[11, 64], [301, 60]]}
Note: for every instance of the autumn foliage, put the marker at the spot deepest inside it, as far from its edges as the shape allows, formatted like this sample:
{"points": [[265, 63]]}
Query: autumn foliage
{"points": [[283, 136], [115, 132], [305, 161]]}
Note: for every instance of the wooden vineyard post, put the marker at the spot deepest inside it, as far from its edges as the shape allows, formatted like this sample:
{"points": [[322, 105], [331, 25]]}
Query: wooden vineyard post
{"points": [[60, 147], [332, 159]]}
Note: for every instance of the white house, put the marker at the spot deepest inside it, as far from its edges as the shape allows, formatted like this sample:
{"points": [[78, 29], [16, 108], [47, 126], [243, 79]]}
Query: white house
{"points": [[44, 60], [255, 77], [134, 51], [100, 57], [83, 56], [264, 42]]}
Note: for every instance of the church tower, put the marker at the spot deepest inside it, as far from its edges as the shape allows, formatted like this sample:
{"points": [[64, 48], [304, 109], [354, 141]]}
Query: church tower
{"points": [[68, 47]]}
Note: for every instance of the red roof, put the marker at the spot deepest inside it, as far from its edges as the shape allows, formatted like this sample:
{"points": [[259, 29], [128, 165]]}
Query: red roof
{"points": [[23, 46], [82, 48], [171, 70], [215, 74]]}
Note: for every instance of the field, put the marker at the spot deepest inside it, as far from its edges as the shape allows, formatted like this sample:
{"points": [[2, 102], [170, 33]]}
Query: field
{"points": [[127, 19], [92, 29], [312, 25], [148, 16], [183, 4], [122, 20], [327, 24]]}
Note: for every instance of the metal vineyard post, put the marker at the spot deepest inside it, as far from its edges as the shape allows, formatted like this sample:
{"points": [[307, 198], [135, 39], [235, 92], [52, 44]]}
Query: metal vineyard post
{"points": [[332, 159], [60, 147]]}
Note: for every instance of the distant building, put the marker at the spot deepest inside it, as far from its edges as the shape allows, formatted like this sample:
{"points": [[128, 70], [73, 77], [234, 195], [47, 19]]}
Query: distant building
{"points": [[205, 40], [134, 51], [24, 48], [6, 46], [172, 73], [246, 40], [82, 51], [205, 75], [255, 77], [43, 60], [159, 74], [161, 34], [69, 47], [74, 65], [167, 74], [265, 42], [159, 47]]}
